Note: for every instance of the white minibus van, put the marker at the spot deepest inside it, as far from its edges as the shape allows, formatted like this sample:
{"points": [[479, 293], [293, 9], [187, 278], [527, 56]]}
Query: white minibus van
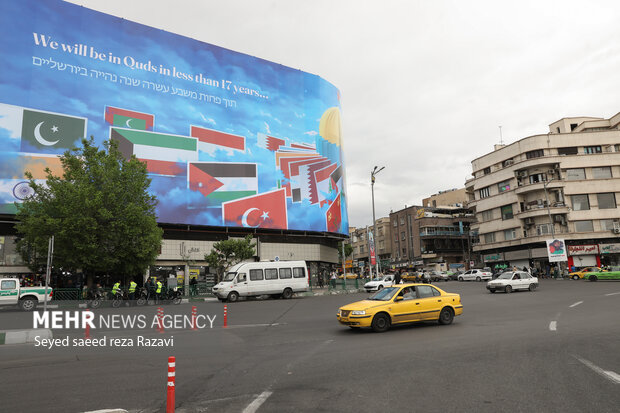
{"points": [[275, 278]]}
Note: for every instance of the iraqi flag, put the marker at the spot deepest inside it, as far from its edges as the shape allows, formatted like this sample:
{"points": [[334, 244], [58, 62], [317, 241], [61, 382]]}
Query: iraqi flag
{"points": [[129, 119], [333, 216], [266, 210], [223, 181], [163, 154], [210, 139]]}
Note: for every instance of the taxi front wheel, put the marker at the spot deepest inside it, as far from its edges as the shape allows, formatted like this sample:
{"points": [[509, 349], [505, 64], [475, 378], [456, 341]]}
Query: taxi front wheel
{"points": [[380, 323]]}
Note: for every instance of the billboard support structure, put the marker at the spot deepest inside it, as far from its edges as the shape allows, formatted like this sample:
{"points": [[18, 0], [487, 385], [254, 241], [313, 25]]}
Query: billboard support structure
{"points": [[559, 271]]}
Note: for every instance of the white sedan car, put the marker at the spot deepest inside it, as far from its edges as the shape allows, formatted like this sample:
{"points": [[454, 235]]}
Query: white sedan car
{"points": [[510, 281], [377, 284], [475, 275]]}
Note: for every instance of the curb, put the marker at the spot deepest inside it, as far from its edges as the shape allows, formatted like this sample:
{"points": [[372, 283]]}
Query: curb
{"points": [[24, 336]]}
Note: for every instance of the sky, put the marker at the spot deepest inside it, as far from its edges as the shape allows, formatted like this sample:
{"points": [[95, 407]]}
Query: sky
{"points": [[424, 85]]}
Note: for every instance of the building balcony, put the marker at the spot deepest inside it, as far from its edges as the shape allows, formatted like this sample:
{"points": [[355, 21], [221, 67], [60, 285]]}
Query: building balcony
{"points": [[541, 210], [443, 234], [526, 187], [429, 255]]}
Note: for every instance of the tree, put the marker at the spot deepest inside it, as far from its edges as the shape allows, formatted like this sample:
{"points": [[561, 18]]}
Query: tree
{"points": [[348, 250], [229, 252], [100, 213]]}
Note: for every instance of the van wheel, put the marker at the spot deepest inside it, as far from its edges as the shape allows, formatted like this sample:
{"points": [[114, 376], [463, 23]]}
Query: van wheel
{"points": [[288, 293], [233, 296], [28, 304]]}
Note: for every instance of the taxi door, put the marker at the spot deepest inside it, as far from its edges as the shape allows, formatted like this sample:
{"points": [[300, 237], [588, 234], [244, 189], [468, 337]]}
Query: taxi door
{"points": [[430, 303], [407, 309]]}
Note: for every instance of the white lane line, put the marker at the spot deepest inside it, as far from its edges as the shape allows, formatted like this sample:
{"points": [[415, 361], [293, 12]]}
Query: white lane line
{"points": [[257, 402], [576, 304], [612, 294], [609, 375], [553, 326], [256, 325]]}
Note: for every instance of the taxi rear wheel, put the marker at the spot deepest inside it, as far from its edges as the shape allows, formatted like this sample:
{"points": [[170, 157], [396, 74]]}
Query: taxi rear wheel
{"points": [[380, 323], [508, 289], [532, 287], [446, 316]]}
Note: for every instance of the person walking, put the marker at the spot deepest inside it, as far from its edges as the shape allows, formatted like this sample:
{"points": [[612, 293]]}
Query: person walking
{"points": [[193, 286], [397, 278], [333, 279]]}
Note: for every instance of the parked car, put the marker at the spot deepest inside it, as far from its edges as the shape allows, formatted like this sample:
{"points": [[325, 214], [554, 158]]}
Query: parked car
{"points": [[377, 284], [513, 280], [613, 274], [439, 275], [575, 275], [454, 275], [475, 275], [399, 304]]}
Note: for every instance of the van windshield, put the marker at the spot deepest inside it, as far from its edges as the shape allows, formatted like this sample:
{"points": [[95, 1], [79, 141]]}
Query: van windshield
{"points": [[229, 276]]}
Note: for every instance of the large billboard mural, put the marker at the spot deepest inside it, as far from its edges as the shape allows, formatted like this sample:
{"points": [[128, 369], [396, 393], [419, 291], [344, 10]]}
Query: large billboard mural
{"points": [[228, 139]]}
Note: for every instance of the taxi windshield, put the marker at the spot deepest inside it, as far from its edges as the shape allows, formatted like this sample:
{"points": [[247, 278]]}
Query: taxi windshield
{"points": [[385, 294], [229, 276]]}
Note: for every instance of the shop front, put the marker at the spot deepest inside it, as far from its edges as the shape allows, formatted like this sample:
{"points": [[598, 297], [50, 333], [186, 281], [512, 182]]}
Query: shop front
{"points": [[581, 256], [610, 254]]}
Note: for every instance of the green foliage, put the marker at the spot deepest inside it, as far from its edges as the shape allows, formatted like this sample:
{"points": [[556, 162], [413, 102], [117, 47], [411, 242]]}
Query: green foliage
{"points": [[100, 213], [229, 252], [348, 250]]}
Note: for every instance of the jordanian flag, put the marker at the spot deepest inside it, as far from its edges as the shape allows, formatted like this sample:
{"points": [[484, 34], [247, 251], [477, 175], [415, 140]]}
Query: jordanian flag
{"points": [[163, 154], [221, 182], [128, 118], [46, 132]]}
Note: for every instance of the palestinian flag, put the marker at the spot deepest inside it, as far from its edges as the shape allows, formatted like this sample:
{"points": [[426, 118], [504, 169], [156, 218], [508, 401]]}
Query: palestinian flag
{"points": [[130, 119], [163, 154], [222, 181], [266, 210]]}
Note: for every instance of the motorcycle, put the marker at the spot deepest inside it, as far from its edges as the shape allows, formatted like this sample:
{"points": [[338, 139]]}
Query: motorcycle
{"points": [[94, 298], [171, 296], [118, 298], [142, 296]]}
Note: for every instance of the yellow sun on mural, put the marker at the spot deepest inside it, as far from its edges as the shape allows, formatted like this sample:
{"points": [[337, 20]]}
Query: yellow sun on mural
{"points": [[329, 127]]}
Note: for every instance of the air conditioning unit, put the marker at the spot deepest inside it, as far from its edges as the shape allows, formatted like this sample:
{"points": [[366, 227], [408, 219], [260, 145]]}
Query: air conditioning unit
{"points": [[558, 218], [616, 225], [508, 162], [551, 172], [616, 230], [522, 174], [529, 221]]}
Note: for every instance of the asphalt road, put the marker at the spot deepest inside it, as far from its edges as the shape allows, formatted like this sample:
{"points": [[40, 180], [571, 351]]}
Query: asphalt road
{"points": [[556, 349]]}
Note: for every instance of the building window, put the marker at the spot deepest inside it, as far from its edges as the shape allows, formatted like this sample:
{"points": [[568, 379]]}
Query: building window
{"points": [[573, 126], [543, 229], [487, 215], [354, 238], [510, 234], [395, 223], [507, 212], [486, 170], [380, 231], [489, 238], [507, 163], [504, 186], [402, 220], [617, 147], [395, 237], [535, 154], [402, 236], [584, 226], [362, 237], [575, 174], [381, 245], [580, 202], [602, 172], [607, 224], [606, 201], [484, 192], [568, 151], [592, 149], [536, 178], [361, 249]]}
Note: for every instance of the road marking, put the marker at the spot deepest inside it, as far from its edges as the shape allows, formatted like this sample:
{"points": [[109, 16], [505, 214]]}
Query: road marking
{"points": [[612, 294], [553, 326], [257, 402], [576, 304], [256, 325], [609, 375]]}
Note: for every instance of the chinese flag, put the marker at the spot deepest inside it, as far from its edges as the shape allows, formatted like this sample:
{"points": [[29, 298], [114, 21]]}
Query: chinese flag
{"points": [[266, 210], [333, 216]]}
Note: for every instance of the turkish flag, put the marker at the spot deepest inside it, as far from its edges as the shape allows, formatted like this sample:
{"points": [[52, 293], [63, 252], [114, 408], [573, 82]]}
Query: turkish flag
{"points": [[266, 210], [333, 217]]}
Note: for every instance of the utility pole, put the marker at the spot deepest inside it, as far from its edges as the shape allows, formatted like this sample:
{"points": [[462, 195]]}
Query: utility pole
{"points": [[374, 172], [50, 255], [550, 219]]}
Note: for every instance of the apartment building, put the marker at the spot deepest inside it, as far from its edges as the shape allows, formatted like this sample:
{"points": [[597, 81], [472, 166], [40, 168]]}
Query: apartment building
{"points": [[563, 184], [427, 237], [358, 238], [450, 197]]}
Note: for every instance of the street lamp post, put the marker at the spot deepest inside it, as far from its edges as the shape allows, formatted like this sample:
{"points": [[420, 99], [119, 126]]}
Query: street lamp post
{"points": [[374, 172], [550, 219]]}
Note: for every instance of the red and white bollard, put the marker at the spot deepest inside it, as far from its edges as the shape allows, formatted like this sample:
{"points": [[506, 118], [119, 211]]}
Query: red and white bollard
{"points": [[225, 316], [160, 321], [87, 328], [194, 317], [171, 385]]}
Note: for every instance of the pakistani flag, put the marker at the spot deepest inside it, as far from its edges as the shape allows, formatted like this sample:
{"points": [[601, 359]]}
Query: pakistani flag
{"points": [[46, 132]]}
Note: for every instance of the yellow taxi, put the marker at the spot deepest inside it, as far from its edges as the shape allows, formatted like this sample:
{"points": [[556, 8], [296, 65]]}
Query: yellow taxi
{"points": [[400, 304], [580, 274], [409, 276]]}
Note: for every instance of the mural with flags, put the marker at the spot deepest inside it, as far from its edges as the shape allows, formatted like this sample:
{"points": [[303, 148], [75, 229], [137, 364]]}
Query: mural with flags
{"points": [[227, 139]]}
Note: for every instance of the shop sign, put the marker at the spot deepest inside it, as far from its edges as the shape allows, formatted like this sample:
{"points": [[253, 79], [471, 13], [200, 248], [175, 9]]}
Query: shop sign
{"points": [[418, 262], [492, 257], [583, 249], [609, 248]]}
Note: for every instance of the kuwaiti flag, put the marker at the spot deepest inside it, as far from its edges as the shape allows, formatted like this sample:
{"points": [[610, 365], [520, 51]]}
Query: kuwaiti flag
{"points": [[333, 216], [210, 139], [48, 132], [163, 154], [130, 119], [266, 210], [223, 181]]}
